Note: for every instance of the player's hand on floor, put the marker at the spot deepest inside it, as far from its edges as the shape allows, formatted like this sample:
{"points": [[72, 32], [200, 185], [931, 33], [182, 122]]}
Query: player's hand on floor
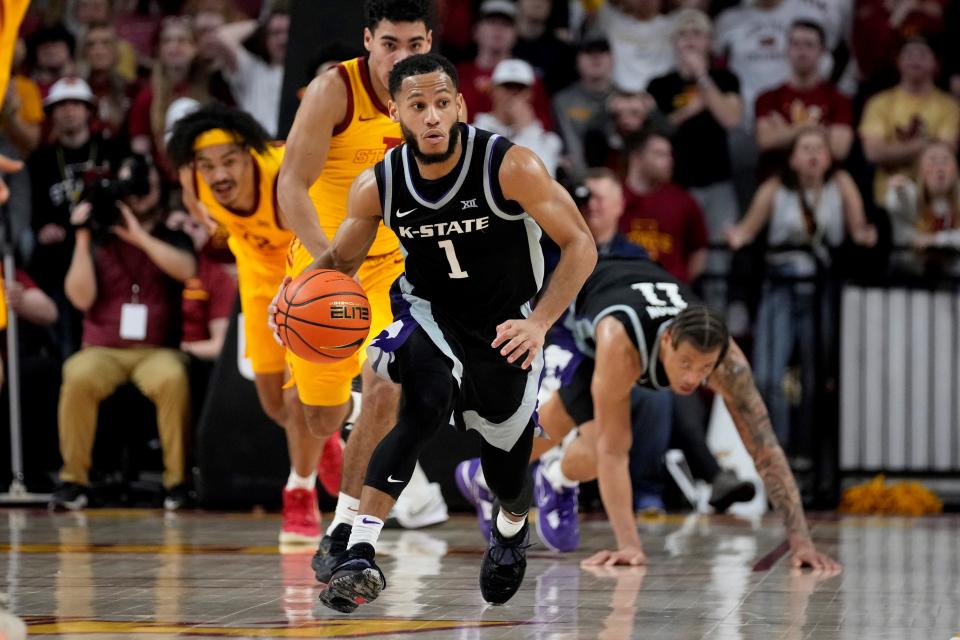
{"points": [[804, 554], [518, 337], [628, 556], [272, 311]]}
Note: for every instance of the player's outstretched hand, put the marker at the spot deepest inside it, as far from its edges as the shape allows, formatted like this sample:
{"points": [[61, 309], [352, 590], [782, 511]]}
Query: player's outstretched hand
{"points": [[628, 556], [519, 337], [804, 554], [272, 311]]}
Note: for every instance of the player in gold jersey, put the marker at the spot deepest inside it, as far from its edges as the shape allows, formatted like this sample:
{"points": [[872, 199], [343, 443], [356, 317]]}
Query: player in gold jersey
{"points": [[341, 128], [228, 171]]}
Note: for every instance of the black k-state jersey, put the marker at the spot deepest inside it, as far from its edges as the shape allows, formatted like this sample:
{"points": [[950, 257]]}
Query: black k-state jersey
{"points": [[640, 294], [468, 250]]}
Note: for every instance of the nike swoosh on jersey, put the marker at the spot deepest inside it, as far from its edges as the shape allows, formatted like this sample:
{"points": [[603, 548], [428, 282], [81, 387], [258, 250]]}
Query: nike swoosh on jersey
{"points": [[390, 479], [400, 214], [362, 119]]}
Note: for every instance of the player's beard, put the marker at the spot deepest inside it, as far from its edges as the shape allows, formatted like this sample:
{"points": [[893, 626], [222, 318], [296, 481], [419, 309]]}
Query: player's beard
{"points": [[432, 158]]}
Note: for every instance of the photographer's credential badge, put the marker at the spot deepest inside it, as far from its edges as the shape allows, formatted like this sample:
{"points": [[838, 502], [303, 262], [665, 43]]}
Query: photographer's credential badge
{"points": [[133, 317]]}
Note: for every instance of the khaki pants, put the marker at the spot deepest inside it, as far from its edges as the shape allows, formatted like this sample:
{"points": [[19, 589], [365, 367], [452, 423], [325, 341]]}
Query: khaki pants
{"points": [[93, 374]]}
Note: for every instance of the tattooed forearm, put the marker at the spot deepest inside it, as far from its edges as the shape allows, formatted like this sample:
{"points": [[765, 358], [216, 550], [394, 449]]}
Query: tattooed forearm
{"points": [[733, 380]]}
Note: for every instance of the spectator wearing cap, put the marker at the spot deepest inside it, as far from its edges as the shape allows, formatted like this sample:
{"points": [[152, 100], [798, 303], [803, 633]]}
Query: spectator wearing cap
{"points": [[805, 100], [581, 108], [495, 33], [552, 58], [513, 115], [58, 173], [50, 53], [702, 104], [899, 123], [639, 37]]}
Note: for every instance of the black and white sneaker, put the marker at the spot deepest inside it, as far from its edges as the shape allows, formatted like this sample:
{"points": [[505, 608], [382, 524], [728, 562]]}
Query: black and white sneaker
{"points": [[356, 580], [328, 553], [69, 496], [504, 564]]}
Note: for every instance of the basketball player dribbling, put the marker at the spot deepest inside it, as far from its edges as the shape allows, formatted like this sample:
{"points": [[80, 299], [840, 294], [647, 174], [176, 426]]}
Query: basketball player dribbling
{"points": [[342, 128], [468, 207]]}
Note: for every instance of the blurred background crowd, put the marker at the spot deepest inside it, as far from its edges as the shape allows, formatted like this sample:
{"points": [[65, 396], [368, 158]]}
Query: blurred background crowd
{"points": [[765, 151]]}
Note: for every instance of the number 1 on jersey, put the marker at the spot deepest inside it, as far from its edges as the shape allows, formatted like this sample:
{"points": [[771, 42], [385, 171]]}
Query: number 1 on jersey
{"points": [[455, 271]]}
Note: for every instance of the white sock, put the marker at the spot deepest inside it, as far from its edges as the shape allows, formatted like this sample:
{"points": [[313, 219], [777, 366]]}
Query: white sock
{"points": [[365, 529], [295, 481], [347, 508], [507, 527], [556, 477]]}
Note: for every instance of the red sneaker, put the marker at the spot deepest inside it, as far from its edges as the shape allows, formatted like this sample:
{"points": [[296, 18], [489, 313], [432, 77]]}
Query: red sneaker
{"points": [[330, 466], [301, 517]]}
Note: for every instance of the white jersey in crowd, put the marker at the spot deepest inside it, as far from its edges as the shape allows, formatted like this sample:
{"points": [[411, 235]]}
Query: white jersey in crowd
{"points": [[642, 49]]}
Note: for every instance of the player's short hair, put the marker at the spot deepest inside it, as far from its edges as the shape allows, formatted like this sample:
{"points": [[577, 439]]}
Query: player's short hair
{"points": [[419, 65], [397, 11], [214, 116], [703, 327], [810, 25]]}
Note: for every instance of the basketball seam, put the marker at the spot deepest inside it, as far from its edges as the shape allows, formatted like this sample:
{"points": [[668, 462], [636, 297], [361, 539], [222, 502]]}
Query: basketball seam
{"points": [[327, 295], [314, 349]]}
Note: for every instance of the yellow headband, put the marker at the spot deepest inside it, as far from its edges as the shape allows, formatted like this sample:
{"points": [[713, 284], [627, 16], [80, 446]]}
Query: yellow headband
{"points": [[212, 137]]}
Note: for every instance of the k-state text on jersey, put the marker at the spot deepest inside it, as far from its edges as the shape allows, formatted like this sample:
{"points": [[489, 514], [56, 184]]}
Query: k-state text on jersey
{"points": [[439, 229]]}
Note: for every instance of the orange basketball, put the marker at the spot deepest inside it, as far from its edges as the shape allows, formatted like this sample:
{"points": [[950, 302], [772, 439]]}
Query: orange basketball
{"points": [[323, 316]]}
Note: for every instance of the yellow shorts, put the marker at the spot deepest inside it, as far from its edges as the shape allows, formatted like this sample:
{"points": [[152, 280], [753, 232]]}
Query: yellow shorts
{"points": [[328, 385], [258, 283]]}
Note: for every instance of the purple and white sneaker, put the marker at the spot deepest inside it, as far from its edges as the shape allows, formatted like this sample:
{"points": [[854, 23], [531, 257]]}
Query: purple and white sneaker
{"points": [[477, 494], [557, 521]]}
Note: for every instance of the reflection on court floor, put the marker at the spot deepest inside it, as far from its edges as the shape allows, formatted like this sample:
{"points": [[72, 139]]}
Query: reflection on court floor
{"points": [[106, 574]]}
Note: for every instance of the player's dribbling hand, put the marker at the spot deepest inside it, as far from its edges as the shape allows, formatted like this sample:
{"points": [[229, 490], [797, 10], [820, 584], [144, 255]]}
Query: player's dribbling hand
{"points": [[272, 311], [804, 554], [628, 556], [518, 337]]}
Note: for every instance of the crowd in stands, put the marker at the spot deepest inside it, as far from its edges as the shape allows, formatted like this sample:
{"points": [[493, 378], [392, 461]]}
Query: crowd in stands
{"points": [[750, 147]]}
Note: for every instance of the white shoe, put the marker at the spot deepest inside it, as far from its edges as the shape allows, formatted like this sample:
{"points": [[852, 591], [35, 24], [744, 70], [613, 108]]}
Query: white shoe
{"points": [[425, 508]]}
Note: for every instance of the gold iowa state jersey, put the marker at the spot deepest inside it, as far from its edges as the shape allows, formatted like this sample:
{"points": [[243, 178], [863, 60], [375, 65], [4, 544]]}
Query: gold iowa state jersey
{"points": [[256, 235], [358, 143]]}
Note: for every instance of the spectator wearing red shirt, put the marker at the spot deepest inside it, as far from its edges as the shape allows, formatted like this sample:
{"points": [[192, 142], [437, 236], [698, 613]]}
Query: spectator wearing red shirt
{"points": [[659, 215], [806, 99], [127, 283], [208, 297], [495, 34]]}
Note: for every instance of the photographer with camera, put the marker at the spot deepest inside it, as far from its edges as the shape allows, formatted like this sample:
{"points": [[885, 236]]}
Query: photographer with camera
{"points": [[60, 171], [125, 275]]}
